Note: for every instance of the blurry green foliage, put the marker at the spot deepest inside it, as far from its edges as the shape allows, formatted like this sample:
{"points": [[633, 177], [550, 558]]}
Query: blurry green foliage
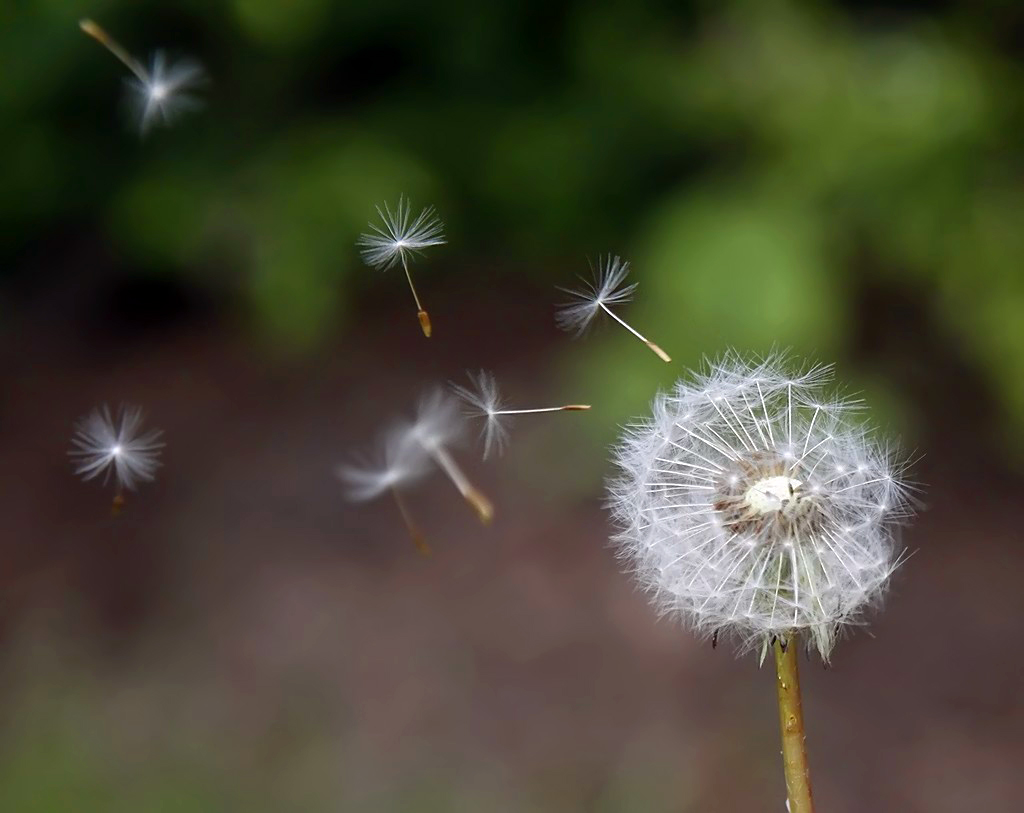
{"points": [[746, 156]]}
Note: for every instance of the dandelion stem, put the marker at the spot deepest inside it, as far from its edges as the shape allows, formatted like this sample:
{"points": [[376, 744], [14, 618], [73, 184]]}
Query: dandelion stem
{"points": [[420, 312], [117, 505], [112, 45], [791, 721], [657, 350]]}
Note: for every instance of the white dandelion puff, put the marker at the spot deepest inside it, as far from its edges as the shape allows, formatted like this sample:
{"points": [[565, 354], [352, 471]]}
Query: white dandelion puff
{"points": [[748, 503], [484, 401], [157, 94], [116, 446], [607, 288], [398, 239]]}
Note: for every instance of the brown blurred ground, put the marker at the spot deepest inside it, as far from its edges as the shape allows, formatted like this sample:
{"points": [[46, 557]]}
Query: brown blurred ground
{"points": [[242, 612]]}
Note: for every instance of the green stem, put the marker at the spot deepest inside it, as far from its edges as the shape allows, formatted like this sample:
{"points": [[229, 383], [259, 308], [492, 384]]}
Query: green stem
{"points": [[791, 721]]}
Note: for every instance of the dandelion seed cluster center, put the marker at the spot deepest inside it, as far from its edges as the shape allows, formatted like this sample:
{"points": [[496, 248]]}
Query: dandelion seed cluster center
{"points": [[760, 495]]}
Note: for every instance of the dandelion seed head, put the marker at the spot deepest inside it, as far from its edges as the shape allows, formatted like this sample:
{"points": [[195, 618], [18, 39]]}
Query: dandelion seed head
{"points": [[160, 93], [115, 446], [606, 288], [749, 503], [399, 236]]}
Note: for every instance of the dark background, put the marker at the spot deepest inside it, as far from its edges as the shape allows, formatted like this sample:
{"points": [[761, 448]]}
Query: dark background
{"points": [[841, 179]]}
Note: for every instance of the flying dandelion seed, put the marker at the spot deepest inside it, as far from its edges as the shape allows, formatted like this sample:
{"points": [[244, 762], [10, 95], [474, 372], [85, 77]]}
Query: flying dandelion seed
{"points": [[399, 464], [749, 504], [408, 452], [116, 447], [439, 425], [607, 288], [398, 239], [484, 401], [160, 93]]}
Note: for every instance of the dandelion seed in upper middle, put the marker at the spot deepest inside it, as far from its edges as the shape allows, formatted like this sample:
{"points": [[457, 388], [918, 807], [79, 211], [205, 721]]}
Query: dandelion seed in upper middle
{"points": [[397, 239], [484, 401], [607, 288]]}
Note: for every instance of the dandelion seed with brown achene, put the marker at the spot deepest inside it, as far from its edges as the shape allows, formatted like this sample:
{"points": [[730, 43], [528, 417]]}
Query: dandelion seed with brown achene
{"points": [[607, 288], [484, 401], [397, 240], [159, 93], [437, 427]]}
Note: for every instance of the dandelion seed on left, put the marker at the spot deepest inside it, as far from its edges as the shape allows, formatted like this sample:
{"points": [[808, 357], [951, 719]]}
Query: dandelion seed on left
{"points": [[159, 93], [484, 401], [116, 446], [607, 288], [397, 240]]}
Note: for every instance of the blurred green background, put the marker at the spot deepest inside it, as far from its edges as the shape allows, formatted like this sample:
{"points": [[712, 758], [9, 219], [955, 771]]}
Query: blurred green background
{"points": [[762, 164], [842, 179]]}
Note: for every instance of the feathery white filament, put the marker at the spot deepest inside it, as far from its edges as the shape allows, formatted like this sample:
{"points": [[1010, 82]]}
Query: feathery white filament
{"points": [[749, 504], [484, 401], [108, 445]]}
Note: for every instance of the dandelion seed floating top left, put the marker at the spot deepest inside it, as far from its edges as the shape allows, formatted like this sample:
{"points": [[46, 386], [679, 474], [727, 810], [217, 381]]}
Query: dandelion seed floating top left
{"points": [[116, 447], [397, 240], [157, 94]]}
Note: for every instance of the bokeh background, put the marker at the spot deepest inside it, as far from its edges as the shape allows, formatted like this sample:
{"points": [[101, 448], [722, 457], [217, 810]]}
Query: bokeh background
{"points": [[841, 179]]}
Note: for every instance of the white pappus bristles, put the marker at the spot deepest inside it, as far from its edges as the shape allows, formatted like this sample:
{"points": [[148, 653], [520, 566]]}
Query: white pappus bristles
{"points": [[607, 288], [484, 401], [749, 504], [157, 94], [397, 239], [116, 447]]}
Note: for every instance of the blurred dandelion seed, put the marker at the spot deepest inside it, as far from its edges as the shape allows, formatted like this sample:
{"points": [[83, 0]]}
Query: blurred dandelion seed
{"points": [[606, 288], [437, 426], [484, 401], [159, 93], [398, 239], [399, 464], [116, 447], [407, 453]]}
